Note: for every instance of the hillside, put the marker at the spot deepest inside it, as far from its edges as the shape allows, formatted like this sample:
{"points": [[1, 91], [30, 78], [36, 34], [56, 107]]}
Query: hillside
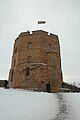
{"points": [[18, 104]]}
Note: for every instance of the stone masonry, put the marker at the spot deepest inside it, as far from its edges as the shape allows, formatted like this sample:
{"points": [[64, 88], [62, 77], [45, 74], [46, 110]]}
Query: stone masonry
{"points": [[36, 62]]}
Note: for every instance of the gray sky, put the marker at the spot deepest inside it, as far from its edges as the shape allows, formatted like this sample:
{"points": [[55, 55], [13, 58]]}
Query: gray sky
{"points": [[63, 19]]}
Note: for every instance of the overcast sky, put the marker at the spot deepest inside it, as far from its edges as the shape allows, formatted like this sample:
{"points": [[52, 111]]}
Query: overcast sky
{"points": [[62, 18]]}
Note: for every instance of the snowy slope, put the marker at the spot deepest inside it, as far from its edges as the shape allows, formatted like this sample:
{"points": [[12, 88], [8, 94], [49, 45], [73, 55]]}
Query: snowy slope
{"points": [[24, 105]]}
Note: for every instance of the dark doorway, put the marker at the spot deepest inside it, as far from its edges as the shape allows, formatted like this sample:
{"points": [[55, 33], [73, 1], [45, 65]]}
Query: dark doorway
{"points": [[48, 87]]}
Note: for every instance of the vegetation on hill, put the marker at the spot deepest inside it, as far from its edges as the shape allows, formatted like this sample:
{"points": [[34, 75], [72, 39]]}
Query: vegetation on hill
{"points": [[71, 87]]}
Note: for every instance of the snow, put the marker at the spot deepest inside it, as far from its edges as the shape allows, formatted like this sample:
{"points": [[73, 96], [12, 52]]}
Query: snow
{"points": [[17, 104], [24, 105], [73, 105]]}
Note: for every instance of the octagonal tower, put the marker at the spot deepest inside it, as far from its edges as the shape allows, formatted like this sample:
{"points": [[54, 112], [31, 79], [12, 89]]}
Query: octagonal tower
{"points": [[36, 62]]}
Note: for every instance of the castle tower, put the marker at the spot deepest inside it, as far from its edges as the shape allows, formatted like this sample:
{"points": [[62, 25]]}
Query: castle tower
{"points": [[36, 62]]}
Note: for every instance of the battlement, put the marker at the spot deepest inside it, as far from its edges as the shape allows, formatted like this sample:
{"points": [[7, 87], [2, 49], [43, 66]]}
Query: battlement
{"points": [[38, 32]]}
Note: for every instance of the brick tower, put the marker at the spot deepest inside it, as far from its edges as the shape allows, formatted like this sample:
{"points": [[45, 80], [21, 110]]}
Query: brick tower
{"points": [[36, 62]]}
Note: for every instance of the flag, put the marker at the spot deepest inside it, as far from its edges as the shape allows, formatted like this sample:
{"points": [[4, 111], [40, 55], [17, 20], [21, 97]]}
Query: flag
{"points": [[41, 22]]}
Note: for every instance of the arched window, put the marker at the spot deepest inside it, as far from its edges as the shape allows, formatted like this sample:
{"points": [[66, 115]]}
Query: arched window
{"points": [[29, 45], [29, 59], [27, 71], [49, 48]]}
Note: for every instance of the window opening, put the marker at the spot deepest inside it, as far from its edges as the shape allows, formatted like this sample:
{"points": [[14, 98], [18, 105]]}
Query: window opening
{"points": [[29, 59], [48, 87], [28, 71], [29, 45], [49, 48]]}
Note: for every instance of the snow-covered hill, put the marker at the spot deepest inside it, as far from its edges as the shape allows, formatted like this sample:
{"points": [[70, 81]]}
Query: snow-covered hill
{"points": [[24, 105], [18, 104]]}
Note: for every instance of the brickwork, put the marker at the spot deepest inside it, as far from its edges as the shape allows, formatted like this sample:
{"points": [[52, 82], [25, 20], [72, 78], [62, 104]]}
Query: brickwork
{"points": [[36, 62]]}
